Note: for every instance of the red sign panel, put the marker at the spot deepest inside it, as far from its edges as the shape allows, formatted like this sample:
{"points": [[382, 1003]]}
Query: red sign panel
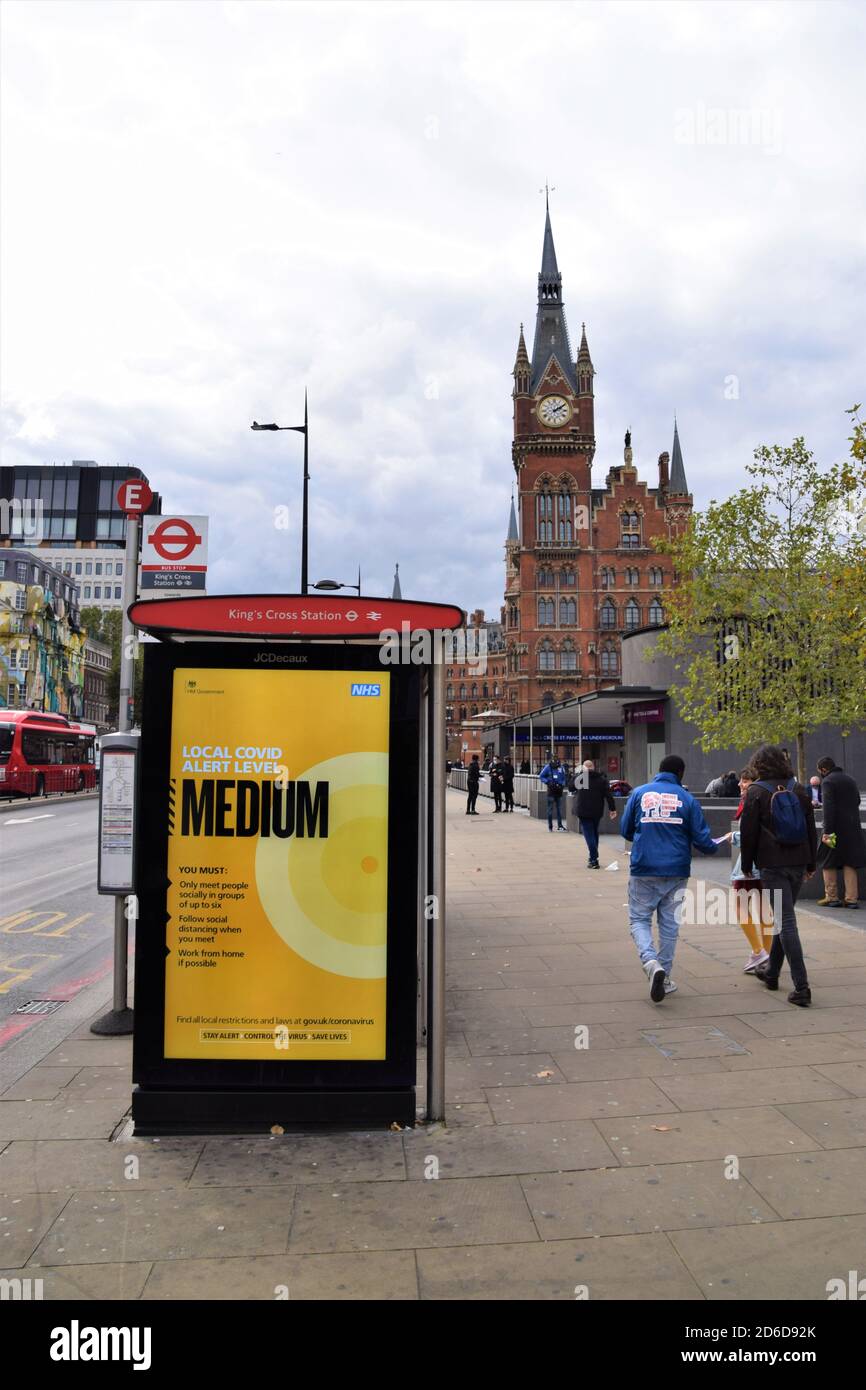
{"points": [[134, 496], [293, 615], [175, 539]]}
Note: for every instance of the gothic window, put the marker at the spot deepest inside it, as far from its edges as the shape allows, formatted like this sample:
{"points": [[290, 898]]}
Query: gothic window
{"points": [[632, 614], [608, 614], [565, 529], [632, 577], [568, 659], [546, 612], [484, 690], [569, 580], [569, 695], [474, 711], [546, 657], [656, 613], [609, 660], [449, 694], [463, 714], [475, 692], [496, 691], [463, 692], [547, 699], [545, 579], [567, 612], [545, 517], [630, 530], [608, 578]]}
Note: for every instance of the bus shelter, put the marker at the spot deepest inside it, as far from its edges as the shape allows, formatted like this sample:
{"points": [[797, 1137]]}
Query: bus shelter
{"points": [[290, 862]]}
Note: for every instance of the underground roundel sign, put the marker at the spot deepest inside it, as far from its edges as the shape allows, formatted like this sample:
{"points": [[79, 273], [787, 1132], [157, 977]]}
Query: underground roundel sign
{"points": [[174, 554]]}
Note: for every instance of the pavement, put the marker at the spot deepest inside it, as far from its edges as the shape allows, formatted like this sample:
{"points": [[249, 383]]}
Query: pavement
{"points": [[712, 1147]]}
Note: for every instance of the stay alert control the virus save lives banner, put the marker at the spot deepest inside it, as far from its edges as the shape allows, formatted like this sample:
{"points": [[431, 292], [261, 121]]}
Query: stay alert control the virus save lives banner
{"points": [[278, 850]]}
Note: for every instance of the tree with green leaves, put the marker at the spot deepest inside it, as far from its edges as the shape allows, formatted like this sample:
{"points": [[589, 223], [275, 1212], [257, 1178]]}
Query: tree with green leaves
{"points": [[767, 613]]}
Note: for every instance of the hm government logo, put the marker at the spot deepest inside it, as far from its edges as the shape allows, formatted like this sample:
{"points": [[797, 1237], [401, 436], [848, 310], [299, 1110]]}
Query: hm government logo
{"points": [[358, 688], [191, 685]]}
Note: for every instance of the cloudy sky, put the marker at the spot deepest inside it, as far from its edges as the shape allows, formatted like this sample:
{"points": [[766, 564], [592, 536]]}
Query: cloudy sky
{"points": [[208, 207]]}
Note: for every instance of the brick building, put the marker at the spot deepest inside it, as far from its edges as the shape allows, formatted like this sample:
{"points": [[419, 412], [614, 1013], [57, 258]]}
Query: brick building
{"points": [[580, 567]]}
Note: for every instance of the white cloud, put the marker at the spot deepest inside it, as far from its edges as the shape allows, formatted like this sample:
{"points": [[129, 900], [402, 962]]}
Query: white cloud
{"points": [[210, 207]]}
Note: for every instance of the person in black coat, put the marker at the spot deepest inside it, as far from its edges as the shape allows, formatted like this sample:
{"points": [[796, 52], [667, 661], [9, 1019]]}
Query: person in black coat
{"points": [[592, 790], [496, 784], [840, 797], [473, 777], [507, 772]]}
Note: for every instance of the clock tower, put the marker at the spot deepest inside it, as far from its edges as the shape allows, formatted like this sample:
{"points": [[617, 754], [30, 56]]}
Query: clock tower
{"points": [[581, 569], [548, 560]]}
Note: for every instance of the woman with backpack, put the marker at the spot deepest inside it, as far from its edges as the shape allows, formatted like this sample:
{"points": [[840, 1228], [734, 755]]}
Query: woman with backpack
{"points": [[777, 835]]}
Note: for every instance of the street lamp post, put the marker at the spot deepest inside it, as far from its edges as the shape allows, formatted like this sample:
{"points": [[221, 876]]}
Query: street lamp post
{"points": [[304, 430], [331, 584]]}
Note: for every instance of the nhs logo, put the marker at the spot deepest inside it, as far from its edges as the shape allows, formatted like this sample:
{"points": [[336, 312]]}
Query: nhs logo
{"points": [[358, 689]]}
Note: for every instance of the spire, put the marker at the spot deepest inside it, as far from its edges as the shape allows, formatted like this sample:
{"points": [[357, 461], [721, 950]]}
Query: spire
{"points": [[395, 592], [522, 358], [512, 523], [678, 486], [583, 351], [551, 330]]}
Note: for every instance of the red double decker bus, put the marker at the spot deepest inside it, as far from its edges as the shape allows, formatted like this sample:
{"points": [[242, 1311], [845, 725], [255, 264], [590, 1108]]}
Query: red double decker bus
{"points": [[42, 753]]}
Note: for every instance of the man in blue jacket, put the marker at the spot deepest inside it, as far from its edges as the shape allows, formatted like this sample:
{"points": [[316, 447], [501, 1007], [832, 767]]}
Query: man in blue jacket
{"points": [[553, 778], [663, 821]]}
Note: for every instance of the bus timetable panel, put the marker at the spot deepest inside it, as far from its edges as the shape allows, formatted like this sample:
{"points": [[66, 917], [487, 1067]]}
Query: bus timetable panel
{"points": [[276, 943]]}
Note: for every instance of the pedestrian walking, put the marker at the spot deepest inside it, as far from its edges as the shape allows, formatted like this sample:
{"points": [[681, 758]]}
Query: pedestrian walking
{"points": [[553, 778], [841, 801], [473, 777], [663, 821], [777, 835], [508, 784], [752, 906], [496, 784], [815, 790], [592, 791]]}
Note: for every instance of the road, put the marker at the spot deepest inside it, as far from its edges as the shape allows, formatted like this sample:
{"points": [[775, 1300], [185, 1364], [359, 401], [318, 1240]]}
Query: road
{"points": [[56, 932]]}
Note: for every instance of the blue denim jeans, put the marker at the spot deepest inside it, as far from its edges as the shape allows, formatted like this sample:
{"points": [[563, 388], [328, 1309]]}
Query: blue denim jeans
{"points": [[661, 895], [589, 831], [554, 801]]}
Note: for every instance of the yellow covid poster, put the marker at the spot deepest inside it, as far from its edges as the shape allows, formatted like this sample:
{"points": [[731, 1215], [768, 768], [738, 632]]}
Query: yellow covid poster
{"points": [[278, 865]]}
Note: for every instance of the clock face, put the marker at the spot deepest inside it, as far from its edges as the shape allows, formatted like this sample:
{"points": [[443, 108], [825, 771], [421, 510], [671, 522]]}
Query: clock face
{"points": [[554, 411]]}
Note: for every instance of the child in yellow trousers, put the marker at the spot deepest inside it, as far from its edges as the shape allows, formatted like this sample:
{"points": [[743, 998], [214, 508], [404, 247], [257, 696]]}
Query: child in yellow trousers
{"points": [[754, 913]]}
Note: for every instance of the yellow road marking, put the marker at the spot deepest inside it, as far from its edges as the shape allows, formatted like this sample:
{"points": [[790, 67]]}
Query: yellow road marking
{"points": [[13, 925], [18, 972]]}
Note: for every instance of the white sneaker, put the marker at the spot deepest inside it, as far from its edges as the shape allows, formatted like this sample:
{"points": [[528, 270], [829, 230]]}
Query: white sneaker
{"points": [[756, 959], [656, 977], [670, 987]]}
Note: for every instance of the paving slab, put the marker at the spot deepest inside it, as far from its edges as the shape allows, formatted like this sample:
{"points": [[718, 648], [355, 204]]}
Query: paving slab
{"points": [[61, 1119], [693, 1135], [824, 1183], [787, 1024], [24, 1219], [285, 1159], [383, 1275], [627, 1201], [83, 1283], [644, 1267], [626, 1063], [499, 1150], [780, 1261], [170, 1224], [65, 1165], [521, 1039], [99, 1052], [807, 1049], [850, 1075], [40, 1083], [416, 1215], [770, 1086], [836, 1124], [576, 1101]]}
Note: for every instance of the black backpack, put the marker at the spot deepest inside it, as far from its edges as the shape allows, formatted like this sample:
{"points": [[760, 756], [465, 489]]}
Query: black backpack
{"points": [[786, 813]]}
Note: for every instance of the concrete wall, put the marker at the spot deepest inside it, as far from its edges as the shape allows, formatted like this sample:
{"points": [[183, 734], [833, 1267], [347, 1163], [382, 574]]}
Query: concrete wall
{"points": [[640, 667]]}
